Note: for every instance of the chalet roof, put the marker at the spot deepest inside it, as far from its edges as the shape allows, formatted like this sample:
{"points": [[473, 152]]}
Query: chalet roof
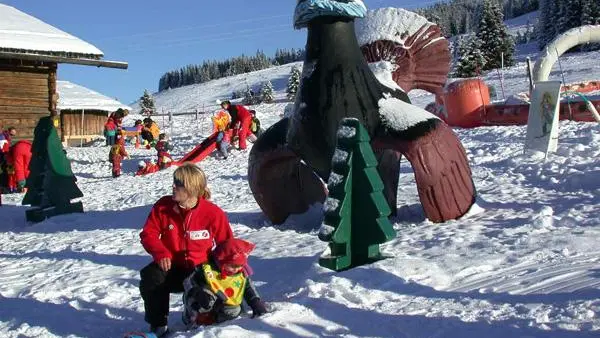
{"points": [[75, 97], [23, 33]]}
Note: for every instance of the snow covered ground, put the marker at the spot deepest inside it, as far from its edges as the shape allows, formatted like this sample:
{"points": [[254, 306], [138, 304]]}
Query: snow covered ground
{"points": [[526, 265]]}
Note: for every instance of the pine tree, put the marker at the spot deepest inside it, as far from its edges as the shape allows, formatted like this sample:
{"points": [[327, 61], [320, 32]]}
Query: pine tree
{"points": [[249, 97], [493, 33], [293, 83], [266, 92], [573, 14], [470, 58], [587, 15], [544, 23], [51, 184], [356, 211], [147, 104]]}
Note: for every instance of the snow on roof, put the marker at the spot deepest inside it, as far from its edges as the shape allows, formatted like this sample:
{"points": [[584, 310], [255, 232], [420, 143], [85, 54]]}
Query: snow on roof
{"points": [[75, 97], [394, 24], [21, 32]]}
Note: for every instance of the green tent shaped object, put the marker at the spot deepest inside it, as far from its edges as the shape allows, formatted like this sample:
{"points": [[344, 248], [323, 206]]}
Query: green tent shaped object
{"points": [[356, 211], [51, 184]]}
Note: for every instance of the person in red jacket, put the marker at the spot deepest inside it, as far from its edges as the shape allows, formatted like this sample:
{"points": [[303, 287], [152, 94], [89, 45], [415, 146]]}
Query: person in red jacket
{"points": [[110, 131], [179, 234], [162, 148], [5, 142], [116, 155], [21, 156], [145, 168], [240, 121]]}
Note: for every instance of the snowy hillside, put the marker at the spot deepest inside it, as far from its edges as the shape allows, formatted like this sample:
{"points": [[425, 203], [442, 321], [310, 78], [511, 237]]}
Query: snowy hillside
{"points": [[203, 96], [522, 23]]}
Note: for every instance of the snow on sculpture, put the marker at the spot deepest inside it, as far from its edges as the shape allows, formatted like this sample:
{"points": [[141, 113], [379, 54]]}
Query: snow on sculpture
{"points": [[290, 162], [403, 46]]}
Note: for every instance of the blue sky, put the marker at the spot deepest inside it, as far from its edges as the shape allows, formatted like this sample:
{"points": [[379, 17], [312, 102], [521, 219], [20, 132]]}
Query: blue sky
{"points": [[158, 36]]}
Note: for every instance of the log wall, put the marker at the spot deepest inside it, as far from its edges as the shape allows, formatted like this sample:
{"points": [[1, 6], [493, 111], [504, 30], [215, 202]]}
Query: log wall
{"points": [[27, 93], [93, 123]]}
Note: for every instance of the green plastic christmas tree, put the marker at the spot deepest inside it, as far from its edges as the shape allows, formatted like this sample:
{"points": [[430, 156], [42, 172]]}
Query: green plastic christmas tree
{"points": [[51, 184], [356, 211]]}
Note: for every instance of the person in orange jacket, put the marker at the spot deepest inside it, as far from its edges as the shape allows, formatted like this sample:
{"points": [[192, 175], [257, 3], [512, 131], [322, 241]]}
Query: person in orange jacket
{"points": [[116, 155], [150, 132], [221, 122]]}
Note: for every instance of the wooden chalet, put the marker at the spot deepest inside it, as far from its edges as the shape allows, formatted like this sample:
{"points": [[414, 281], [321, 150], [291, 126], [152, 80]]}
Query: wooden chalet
{"points": [[30, 51], [83, 112]]}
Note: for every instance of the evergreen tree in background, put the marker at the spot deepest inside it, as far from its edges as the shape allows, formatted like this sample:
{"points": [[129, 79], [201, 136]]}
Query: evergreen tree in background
{"points": [[470, 58], [147, 104], [249, 97], [558, 16], [293, 83], [587, 12], [460, 16], [545, 24], [493, 33], [266, 92], [210, 70]]}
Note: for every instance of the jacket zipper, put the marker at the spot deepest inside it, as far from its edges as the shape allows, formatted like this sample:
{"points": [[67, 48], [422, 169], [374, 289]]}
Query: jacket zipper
{"points": [[186, 235]]}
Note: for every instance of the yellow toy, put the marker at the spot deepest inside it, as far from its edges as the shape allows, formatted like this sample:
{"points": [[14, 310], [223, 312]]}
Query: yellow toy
{"points": [[221, 120]]}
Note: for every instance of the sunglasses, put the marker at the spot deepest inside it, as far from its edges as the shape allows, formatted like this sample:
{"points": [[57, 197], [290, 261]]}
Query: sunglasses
{"points": [[178, 183]]}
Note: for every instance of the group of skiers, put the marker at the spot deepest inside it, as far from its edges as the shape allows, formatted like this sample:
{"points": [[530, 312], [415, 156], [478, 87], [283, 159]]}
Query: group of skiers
{"points": [[14, 161]]}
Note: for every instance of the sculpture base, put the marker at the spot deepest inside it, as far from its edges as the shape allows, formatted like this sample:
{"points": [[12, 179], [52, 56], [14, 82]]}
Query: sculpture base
{"points": [[38, 214], [346, 262]]}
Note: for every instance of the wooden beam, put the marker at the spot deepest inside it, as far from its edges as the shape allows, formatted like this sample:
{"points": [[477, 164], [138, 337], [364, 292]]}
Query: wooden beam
{"points": [[61, 59], [23, 73], [4, 109], [11, 101], [20, 81]]}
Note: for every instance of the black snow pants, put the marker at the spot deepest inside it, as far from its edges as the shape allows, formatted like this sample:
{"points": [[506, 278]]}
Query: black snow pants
{"points": [[156, 286]]}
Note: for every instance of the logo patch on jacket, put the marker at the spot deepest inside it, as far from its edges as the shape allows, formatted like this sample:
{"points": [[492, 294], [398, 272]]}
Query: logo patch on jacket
{"points": [[200, 234]]}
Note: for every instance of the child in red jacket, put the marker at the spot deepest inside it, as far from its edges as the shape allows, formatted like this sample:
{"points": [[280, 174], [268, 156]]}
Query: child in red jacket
{"points": [[162, 148], [116, 155], [110, 131], [215, 291], [145, 168]]}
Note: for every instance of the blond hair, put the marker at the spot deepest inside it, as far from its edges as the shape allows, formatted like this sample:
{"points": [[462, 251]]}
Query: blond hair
{"points": [[193, 179]]}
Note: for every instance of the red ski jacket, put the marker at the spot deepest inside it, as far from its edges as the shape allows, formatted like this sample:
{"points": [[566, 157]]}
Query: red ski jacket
{"points": [[148, 169], [238, 113], [185, 237], [21, 154]]}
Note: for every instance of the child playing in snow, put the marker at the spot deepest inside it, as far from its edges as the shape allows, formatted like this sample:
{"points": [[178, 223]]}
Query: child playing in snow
{"points": [[145, 168], [163, 147], [220, 122], [255, 124], [116, 155], [215, 290], [139, 126], [110, 131]]}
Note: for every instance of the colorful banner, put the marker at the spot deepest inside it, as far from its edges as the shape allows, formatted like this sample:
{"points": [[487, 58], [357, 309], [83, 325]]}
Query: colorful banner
{"points": [[542, 123]]}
